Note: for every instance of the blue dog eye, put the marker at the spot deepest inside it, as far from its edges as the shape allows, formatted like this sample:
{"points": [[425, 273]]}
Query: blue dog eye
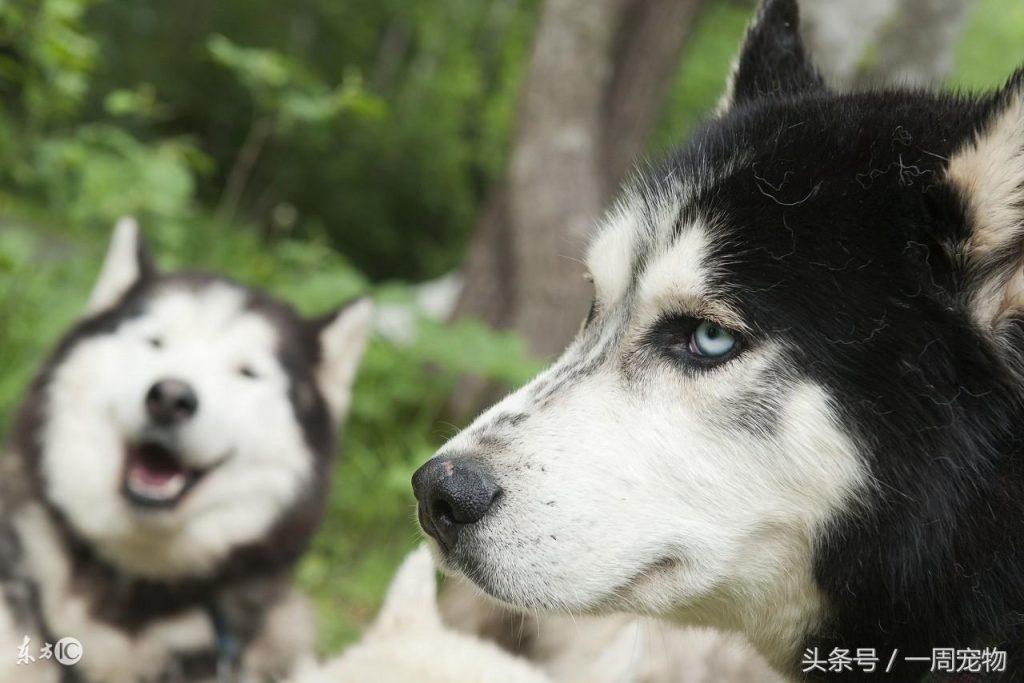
{"points": [[711, 341]]}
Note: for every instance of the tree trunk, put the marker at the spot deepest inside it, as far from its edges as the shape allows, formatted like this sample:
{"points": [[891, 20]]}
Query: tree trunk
{"points": [[555, 185], [596, 82], [647, 54], [876, 42], [488, 275]]}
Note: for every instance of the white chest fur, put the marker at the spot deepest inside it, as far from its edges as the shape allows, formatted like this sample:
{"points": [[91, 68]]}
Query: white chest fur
{"points": [[109, 653]]}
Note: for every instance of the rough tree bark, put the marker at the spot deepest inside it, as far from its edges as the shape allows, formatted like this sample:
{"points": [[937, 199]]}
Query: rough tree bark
{"points": [[554, 185], [596, 82], [649, 44]]}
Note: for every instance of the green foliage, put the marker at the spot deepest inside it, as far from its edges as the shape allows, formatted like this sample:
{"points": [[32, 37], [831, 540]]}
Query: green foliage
{"points": [[87, 173], [993, 45], [139, 102], [50, 56], [283, 87], [401, 111], [702, 75], [99, 172], [31, 315], [45, 64]]}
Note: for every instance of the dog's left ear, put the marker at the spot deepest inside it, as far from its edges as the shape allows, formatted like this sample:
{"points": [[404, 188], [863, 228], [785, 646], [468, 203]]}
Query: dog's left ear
{"points": [[127, 262], [342, 336], [988, 175], [773, 61]]}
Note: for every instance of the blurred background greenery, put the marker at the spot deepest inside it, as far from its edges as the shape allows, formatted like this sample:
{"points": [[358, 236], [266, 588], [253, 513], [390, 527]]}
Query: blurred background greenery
{"points": [[320, 149]]}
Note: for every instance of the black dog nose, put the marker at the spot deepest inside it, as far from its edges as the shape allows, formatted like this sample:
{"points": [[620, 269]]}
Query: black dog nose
{"points": [[452, 493], [170, 402]]}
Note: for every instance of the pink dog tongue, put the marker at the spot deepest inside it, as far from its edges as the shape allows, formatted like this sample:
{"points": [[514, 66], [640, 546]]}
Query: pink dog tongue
{"points": [[153, 465]]}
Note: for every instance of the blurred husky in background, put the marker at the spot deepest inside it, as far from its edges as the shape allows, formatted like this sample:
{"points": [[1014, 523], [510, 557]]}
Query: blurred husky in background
{"points": [[170, 463], [407, 643], [795, 409], [618, 648]]}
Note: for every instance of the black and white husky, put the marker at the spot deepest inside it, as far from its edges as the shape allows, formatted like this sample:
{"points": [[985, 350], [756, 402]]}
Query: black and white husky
{"points": [[170, 463], [796, 408]]}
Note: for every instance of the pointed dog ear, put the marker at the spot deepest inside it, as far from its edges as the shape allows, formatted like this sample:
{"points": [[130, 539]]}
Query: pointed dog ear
{"points": [[411, 602], [773, 61], [987, 173], [342, 335], [127, 262]]}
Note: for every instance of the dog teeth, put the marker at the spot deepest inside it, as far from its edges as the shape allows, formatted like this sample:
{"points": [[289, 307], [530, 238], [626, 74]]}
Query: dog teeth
{"points": [[167, 489]]}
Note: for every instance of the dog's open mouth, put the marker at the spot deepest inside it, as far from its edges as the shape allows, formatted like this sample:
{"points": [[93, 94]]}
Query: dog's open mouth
{"points": [[154, 476]]}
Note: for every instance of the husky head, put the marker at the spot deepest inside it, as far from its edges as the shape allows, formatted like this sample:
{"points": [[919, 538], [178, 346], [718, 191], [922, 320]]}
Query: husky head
{"points": [[187, 420], [801, 372]]}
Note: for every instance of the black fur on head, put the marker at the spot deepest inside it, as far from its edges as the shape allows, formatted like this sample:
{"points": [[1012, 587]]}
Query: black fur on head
{"points": [[879, 237]]}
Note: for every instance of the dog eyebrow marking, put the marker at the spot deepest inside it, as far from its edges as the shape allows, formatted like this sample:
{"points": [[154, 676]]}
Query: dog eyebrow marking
{"points": [[680, 279], [641, 219], [650, 255], [609, 255], [671, 275]]}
